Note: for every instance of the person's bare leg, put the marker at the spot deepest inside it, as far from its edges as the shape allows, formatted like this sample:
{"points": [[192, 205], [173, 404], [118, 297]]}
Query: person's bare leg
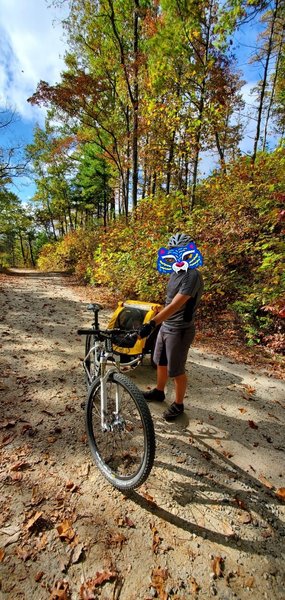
{"points": [[161, 378], [180, 383]]}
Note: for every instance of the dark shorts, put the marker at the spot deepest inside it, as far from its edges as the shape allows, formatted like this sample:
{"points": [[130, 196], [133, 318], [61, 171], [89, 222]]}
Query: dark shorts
{"points": [[171, 349]]}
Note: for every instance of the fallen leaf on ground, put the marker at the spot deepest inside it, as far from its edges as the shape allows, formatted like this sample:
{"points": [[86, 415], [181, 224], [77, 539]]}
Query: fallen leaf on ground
{"points": [[156, 539], [20, 466], [7, 440], [77, 554], [280, 493], [116, 539], [249, 582], [88, 587], [2, 554], [227, 454], [7, 423], [158, 579], [218, 566], [206, 455], [65, 531], [149, 498], [125, 522], [33, 520], [240, 503], [252, 424], [245, 518], [242, 410], [24, 552], [60, 591], [194, 585], [265, 482], [249, 389]]}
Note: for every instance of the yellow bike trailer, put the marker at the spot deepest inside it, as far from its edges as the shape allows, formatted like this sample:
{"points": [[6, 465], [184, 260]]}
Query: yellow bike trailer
{"points": [[131, 315]]}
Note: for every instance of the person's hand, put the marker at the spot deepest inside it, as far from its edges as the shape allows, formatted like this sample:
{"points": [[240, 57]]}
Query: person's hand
{"points": [[147, 329]]}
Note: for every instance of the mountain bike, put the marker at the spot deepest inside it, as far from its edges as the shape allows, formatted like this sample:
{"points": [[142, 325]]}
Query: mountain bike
{"points": [[118, 422]]}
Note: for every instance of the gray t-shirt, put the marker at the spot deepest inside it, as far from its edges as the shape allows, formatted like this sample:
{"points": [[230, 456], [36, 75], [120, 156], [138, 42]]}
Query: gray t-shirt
{"points": [[191, 284]]}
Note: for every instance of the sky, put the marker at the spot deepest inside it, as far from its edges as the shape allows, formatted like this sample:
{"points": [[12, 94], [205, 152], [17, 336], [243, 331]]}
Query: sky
{"points": [[32, 49]]}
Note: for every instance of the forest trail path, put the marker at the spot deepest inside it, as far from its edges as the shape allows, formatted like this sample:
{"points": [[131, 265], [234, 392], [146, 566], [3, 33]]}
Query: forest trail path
{"points": [[209, 521]]}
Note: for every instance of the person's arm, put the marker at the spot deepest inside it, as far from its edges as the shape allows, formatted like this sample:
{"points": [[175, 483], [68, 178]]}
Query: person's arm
{"points": [[178, 301]]}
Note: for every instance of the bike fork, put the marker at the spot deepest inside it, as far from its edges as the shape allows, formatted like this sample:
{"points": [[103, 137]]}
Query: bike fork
{"points": [[104, 397]]}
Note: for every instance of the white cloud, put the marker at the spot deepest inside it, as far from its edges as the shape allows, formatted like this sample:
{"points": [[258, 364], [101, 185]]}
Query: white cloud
{"points": [[31, 49]]}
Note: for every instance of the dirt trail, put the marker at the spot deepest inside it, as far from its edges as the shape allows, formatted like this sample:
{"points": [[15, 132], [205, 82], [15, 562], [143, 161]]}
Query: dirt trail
{"points": [[209, 522]]}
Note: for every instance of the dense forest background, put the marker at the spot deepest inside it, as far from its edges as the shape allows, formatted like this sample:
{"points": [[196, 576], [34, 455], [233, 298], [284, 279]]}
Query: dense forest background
{"points": [[149, 87]]}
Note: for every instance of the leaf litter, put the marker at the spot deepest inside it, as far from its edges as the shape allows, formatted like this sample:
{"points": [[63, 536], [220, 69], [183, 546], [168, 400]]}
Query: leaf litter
{"points": [[81, 539]]}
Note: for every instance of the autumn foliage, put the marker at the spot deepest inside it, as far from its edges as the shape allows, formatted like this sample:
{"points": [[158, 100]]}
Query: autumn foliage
{"points": [[238, 224]]}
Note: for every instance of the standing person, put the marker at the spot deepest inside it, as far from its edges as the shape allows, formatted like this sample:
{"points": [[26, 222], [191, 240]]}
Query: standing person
{"points": [[184, 290]]}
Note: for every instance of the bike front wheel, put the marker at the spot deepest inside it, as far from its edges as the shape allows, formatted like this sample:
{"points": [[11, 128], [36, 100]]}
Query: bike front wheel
{"points": [[123, 447]]}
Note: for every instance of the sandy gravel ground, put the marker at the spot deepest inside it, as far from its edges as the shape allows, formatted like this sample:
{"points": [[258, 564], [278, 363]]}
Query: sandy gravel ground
{"points": [[209, 521]]}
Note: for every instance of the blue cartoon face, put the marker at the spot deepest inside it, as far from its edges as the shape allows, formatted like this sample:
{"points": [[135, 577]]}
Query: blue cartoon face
{"points": [[179, 259]]}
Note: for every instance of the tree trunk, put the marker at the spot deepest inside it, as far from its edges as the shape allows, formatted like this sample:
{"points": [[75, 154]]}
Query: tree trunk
{"points": [[197, 144], [264, 83], [135, 103], [22, 248], [31, 251], [273, 90]]}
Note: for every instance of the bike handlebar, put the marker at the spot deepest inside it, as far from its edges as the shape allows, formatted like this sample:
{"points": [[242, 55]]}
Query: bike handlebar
{"points": [[126, 338]]}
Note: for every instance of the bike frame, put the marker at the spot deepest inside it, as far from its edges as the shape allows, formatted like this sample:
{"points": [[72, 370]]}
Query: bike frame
{"points": [[97, 349]]}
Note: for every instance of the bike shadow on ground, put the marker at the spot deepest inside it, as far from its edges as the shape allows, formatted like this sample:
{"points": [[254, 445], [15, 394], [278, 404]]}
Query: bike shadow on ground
{"points": [[199, 488], [199, 472]]}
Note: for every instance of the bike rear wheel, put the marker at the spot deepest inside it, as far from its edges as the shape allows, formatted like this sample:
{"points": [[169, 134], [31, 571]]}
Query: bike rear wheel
{"points": [[124, 451]]}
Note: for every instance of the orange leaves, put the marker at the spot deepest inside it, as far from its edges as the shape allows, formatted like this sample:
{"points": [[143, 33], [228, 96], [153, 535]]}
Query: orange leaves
{"points": [[116, 539], [65, 531], [33, 520], [218, 566], [156, 539], [87, 589], [60, 591], [265, 482], [280, 493], [149, 498], [158, 579]]}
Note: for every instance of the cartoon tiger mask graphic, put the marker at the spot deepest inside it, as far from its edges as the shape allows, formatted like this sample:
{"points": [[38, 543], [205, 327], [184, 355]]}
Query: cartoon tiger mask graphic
{"points": [[179, 258]]}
